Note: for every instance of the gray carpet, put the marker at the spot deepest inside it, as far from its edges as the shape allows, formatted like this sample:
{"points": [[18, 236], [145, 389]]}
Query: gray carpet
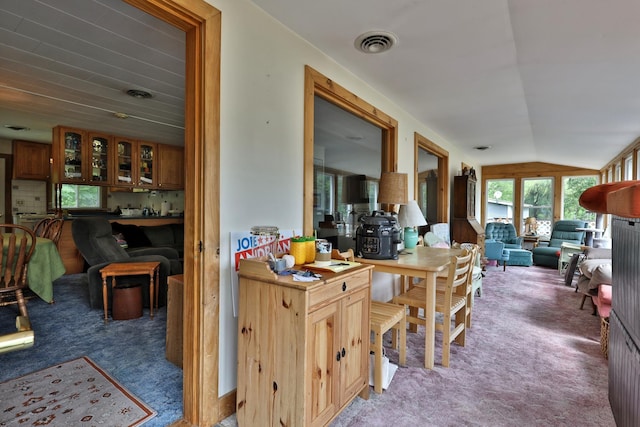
{"points": [[132, 351]]}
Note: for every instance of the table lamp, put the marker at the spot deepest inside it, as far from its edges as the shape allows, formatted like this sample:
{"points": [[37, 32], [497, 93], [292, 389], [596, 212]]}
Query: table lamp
{"points": [[530, 226], [393, 188], [410, 216]]}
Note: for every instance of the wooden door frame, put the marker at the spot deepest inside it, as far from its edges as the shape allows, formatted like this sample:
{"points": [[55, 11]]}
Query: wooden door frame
{"points": [[8, 175], [316, 83], [431, 147], [201, 23]]}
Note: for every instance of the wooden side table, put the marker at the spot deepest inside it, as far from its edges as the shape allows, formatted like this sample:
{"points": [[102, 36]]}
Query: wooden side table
{"points": [[116, 269], [530, 242]]}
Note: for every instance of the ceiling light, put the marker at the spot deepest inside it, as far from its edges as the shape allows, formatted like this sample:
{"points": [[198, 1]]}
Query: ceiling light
{"points": [[482, 147], [17, 128], [121, 115], [140, 94], [375, 41]]}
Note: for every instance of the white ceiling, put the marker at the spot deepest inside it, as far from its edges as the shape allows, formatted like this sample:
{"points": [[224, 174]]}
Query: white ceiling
{"points": [[538, 80], [69, 62]]}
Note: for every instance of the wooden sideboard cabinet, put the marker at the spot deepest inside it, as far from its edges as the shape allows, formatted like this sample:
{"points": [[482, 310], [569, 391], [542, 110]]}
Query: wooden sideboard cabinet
{"points": [[31, 160], [303, 347], [464, 226]]}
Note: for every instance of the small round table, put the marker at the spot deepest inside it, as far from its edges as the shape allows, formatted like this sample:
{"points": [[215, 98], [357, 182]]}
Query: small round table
{"points": [[116, 269]]}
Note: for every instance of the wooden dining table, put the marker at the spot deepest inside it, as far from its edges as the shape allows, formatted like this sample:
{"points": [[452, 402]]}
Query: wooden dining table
{"points": [[425, 263]]}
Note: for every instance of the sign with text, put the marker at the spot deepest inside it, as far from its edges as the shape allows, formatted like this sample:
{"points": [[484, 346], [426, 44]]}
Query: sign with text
{"points": [[246, 245]]}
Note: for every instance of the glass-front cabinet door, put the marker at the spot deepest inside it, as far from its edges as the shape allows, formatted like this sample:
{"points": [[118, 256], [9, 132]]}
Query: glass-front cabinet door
{"points": [[99, 159], [146, 165], [72, 161], [124, 156]]}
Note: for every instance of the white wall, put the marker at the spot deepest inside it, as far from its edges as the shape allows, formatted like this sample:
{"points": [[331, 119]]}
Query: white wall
{"points": [[261, 168]]}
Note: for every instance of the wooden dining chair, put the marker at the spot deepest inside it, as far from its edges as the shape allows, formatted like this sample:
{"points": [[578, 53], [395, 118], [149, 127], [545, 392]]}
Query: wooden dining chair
{"points": [[18, 245], [40, 229], [451, 303], [383, 316], [49, 228], [54, 230]]}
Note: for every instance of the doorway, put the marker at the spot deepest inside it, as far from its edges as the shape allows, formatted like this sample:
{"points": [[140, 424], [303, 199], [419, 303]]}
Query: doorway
{"points": [[202, 25]]}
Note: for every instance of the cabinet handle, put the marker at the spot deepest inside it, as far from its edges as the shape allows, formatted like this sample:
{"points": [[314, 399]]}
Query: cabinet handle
{"points": [[338, 356], [343, 352], [344, 286]]}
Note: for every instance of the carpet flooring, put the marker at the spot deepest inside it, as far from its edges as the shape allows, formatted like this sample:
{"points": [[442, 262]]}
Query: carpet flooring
{"points": [[532, 358], [131, 351], [76, 392]]}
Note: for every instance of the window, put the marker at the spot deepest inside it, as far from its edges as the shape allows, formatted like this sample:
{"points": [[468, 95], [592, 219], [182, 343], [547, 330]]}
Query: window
{"points": [[537, 200], [572, 188], [500, 200], [81, 196], [628, 168]]}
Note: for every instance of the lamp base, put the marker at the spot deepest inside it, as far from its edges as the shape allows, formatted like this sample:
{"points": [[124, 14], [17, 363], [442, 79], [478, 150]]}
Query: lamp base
{"points": [[410, 237]]}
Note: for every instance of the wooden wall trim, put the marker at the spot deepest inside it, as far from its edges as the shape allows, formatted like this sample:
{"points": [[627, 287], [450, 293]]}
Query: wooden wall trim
{"points": [[443, 173], [317, 84], [202, 25]]}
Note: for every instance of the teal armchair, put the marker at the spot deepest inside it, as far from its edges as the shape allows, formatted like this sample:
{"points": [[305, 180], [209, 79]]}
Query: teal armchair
{"points": [[563, 231], [495, 250], [505, 233]]}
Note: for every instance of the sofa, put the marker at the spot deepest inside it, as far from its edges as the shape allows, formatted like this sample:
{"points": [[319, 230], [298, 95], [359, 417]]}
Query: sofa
{"points": [[150, 236], [563, 231], [94, 239], [595, 279]]}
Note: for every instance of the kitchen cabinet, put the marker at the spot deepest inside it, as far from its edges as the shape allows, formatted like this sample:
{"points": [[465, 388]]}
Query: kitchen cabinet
{"points": [[80, 157], [303, 347], [91, 158], [134, 163], [31, 160], [170, 167], [464, 226]]}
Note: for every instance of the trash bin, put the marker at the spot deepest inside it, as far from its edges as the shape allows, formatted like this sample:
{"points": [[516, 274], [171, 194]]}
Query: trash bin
{"points": [[127, 302]]}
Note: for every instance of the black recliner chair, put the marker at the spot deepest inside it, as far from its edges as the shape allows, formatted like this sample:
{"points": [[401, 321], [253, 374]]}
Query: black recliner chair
{"points": [[93, 238]]}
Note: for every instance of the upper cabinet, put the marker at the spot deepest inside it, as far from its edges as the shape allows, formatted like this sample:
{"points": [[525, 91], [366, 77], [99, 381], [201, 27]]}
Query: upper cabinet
{"points": [[170, 167], [91, 158], [31, 160], [80, 157], [147, 165], [99, 159]]}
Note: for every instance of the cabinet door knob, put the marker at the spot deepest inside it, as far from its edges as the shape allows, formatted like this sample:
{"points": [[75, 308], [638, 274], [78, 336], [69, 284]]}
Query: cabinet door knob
{"points": [[344, 352], [338, 356], [344, 286]]}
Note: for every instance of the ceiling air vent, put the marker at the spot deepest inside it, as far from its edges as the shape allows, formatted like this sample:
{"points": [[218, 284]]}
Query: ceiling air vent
{"points": [[375, 41], [137, 93]]}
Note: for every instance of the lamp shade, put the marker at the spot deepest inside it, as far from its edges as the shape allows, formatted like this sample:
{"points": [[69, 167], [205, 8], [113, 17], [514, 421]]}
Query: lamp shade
{"points": [[393, 188], [410, 215]]}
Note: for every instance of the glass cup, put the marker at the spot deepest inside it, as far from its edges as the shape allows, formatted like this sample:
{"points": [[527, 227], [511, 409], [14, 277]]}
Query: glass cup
{"points": [[323, 252]]}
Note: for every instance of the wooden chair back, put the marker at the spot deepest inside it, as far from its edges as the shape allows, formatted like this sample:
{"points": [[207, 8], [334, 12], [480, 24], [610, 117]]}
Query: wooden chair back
{"points": [[54, 230], [18, 245], [49, 228]]}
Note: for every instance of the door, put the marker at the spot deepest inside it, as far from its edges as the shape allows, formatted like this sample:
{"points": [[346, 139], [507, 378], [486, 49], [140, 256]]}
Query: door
{"points": [[323, 365], [354, 339]]}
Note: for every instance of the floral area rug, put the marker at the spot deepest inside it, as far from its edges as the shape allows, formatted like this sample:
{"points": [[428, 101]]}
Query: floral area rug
{"points": [[77, 392]]}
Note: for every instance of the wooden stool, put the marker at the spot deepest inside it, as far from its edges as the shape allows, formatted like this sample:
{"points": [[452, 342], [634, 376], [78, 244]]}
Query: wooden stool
{"points": [[116, 269], [385, 316]]}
